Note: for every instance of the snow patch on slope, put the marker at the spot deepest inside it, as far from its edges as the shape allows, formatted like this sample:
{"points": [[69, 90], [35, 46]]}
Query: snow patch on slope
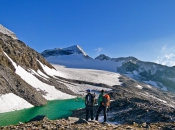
{"points": [[52, 72], [42, 74], [38, 74], [149, 95], [51, 92], [149, 86], [12, 102], [139, 87]]}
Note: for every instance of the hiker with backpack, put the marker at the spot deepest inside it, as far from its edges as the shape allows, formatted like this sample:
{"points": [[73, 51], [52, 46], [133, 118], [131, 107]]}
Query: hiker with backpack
{"points": [[103, 103], [89, 102]]}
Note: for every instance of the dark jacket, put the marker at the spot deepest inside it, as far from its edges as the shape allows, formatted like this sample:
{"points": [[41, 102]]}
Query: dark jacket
{"points": [[89, 99]]}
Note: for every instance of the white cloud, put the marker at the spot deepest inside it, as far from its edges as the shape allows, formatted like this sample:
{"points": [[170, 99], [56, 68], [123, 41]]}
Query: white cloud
{"points": [[98, 50], [170, 56], [167, 59], [166, 54], [164, 48]]}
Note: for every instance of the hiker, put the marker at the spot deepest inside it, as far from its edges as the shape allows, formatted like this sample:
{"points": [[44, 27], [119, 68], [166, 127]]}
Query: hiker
{"points": [[103, 103], [89, 102]]}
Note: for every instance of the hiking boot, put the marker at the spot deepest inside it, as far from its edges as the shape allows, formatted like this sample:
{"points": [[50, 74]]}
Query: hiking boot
{"points": [[104, 122]]}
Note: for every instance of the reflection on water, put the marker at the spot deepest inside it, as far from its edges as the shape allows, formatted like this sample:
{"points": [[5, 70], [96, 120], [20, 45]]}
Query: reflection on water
{"points": [[53, 110]]}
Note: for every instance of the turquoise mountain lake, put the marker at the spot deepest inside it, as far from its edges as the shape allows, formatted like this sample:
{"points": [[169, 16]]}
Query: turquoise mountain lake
{"points": [[53, 110]]}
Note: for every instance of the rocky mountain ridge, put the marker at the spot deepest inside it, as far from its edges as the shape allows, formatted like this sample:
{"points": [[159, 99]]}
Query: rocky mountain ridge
{"points": [[22, 54], [64, 51], [151, 73], [7, 32], [17, 62], [158, 75], [11, 82]]}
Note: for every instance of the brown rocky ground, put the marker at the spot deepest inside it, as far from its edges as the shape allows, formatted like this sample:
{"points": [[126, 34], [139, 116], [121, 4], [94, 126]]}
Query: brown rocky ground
{"points": [[80, 124]]}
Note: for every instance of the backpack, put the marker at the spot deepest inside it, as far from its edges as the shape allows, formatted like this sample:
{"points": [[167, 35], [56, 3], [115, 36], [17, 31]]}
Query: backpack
{"points": [[90, 99], [106, 100]]}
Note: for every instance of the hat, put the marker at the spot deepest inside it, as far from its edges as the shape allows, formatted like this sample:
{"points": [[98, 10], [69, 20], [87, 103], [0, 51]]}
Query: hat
{"points": [[88, 90]]}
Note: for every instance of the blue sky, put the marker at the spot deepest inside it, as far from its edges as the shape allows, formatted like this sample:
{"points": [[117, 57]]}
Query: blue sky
{"points": [[144, 29]]}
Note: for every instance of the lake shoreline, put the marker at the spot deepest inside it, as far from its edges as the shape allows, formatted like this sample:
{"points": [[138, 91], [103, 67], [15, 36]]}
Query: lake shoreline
{"points": [[55, 109]]}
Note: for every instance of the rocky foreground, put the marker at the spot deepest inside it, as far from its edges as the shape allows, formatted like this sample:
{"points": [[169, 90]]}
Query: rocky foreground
{"points": [[73, 123], [131, 114]]}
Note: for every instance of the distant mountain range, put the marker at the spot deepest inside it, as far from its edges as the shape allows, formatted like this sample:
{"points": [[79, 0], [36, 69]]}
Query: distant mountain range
{"points": [[148, 72], [151, 73]]}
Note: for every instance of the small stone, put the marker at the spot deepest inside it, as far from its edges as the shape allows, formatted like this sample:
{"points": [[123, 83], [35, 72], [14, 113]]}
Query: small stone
{"points": [[129, 128], [135, 124], [20, 123], [73, 119], [144, 124]]}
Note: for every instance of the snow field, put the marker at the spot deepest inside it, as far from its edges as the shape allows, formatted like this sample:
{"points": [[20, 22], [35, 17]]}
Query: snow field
{"points": [[12, 102], [90, 75]]}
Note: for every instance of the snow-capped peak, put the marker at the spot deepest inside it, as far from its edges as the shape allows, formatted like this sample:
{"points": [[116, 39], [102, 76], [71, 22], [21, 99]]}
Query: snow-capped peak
{"points": [[75, 49], [7, 32], [64, 51], [81, 50]]}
